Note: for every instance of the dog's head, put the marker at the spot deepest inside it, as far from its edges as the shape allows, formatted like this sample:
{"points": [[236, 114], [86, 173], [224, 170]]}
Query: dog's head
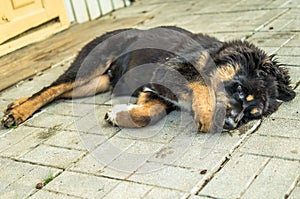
{"points": [[255, 83]]}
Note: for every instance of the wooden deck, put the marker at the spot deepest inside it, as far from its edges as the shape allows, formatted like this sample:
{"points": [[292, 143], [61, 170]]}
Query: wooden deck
{"points": [[37, 57]]}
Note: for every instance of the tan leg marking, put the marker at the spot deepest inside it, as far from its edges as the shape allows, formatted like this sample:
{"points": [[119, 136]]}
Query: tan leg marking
{"points": [[226, 72], [203, 104], [96, 85], [16, 103], [145, 112], [18, 114]]}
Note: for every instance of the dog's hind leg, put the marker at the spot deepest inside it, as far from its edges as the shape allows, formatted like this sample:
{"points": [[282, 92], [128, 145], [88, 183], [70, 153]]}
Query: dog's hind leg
{"points": [[97, 85], [21, 109], [18, 111], [146, 112]]}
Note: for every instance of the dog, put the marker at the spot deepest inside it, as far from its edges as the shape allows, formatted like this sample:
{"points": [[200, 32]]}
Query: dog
{"points": [[168, 68]]}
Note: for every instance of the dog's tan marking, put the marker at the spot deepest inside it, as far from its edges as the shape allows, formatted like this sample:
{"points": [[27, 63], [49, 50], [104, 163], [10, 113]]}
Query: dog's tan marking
{"points": [[145, 112], [96, 85], [254, 111], [203, 104], [16, 103], [226, 72], [249, 98], [18, 114]]}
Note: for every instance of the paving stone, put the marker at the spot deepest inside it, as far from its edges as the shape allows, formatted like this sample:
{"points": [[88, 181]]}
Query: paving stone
{"points": [[76, 140], [14, 136], [90, 164], [111, 150], [289, 51], [271, 39], [289, 60], [135, 156], [43, 194], [53, 156], [166, 176], [196, 159], [27, 88], [294, 42], [289, 110], [3, 104], [295, 193], [275, 180], [217, 22], [295, 76], [235, 177], [287, 24], [128, 190], [81, 185], [197, 197], [280, 127], [64, 107], [94, 123], [227, 36], [23, 139], [47, 120], [162, 132], [19, 179], [163, 193], [273, 146]]}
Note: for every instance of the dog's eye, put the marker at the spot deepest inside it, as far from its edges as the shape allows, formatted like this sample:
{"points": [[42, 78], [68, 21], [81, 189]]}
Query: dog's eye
{"points": [[241, 92]]}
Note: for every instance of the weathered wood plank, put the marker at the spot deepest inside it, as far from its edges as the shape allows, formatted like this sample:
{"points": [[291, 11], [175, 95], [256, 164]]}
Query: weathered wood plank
{"points": [[32, 59]]}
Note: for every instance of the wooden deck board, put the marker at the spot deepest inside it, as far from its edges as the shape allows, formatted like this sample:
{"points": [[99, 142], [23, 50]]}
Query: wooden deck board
{"points": [[37, 57]]}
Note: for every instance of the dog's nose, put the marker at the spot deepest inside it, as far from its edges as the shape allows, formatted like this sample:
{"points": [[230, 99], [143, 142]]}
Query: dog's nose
{"points": [[229, 124]]}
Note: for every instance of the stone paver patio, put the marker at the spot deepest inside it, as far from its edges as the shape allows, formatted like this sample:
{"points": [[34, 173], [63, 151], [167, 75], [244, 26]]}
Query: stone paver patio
{"points": [[69, 144]]}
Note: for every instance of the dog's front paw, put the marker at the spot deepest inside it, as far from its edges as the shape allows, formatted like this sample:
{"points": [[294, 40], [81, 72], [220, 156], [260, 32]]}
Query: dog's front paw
{"points": [[110, 118], [124, 115]]}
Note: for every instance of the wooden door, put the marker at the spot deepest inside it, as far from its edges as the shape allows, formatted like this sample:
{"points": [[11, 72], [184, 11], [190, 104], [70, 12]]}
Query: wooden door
{"points": [[17, 16]]}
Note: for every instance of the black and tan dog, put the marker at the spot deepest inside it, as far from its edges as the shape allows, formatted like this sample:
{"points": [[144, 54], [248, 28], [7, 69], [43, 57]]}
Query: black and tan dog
{"points": [[168, 68]]}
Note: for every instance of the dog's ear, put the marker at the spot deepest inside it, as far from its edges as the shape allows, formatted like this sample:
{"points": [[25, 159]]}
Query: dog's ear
{"points": [[281, 74], [285, 92]]}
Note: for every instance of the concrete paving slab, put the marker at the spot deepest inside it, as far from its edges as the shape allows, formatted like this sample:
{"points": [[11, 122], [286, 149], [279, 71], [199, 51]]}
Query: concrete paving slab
{"points": [[75, 140], [129, 190], [25, 139], [15, 136], [46, 120], [295, 193], [94, 123], [29, 86], [290, 60], [271, 39], [81, 185], [64, 107], [275, 180], [19, 179], [43, 194], [235, 177], [280, 127], [294, 42], [295, 76], [289, 110], [163, 193], [162, 132], [166, 176], [92, 165], [281, 147], [52, 156]]}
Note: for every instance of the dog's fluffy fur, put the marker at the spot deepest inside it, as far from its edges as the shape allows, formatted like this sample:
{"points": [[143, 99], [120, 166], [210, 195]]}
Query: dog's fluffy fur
{"points": [[180, 70]]}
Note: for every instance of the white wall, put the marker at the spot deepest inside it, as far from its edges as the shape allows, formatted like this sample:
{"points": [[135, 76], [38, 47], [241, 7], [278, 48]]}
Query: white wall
{"points": [[84, 10]]}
